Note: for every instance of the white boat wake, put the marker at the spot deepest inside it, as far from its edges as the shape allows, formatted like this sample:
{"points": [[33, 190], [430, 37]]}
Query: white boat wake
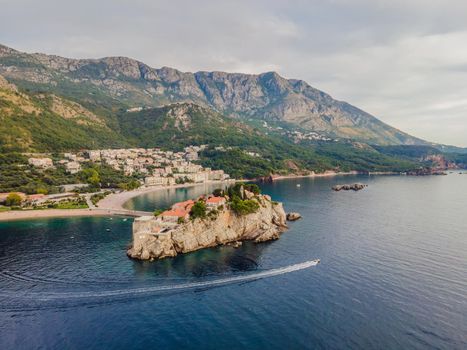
{"points": [[51, 296]]}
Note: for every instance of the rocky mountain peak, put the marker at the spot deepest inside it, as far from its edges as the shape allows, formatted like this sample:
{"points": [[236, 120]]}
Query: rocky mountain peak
{"points": [[266, 96], [5, 50], [169, 75], [274, 83], [122, 66]]}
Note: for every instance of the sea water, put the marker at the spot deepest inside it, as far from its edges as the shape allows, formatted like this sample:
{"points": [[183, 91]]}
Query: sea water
{"points": [[393, 275]]}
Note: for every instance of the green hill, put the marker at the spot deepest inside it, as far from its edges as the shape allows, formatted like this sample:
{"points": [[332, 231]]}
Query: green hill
{"points": [[45, 122]]}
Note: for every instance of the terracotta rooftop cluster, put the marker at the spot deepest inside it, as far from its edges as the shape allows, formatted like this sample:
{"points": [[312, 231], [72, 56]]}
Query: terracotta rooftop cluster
{"points": [[182, 209]]}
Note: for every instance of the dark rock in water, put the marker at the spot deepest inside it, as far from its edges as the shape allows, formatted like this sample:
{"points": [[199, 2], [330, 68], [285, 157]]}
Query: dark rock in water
{"points": [[293, 216], [358, 187], [266, 179], [337, 188], [354, 187], [237, 244]]}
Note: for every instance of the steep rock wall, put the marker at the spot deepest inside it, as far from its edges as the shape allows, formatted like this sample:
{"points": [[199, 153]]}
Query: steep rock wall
{"points": [[267, 223]]}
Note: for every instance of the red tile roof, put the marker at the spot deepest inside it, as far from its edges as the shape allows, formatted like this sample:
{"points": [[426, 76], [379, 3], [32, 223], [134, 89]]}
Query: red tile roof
{"points": [[183, 205], [177, 212], [215, 200]]}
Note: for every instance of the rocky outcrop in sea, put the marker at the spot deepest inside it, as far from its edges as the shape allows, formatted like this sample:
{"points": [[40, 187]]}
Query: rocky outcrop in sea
{"points": [[265, 224], [353, 187], [293, 216]]}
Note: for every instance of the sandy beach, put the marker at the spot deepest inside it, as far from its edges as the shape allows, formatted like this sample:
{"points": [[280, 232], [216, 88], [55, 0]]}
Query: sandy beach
{"points": [[47, 213], [110, 205]]}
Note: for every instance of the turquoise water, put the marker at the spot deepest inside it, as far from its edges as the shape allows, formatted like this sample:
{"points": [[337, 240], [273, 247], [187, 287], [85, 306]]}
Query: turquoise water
{"points": [[393, 275], [163, 199]]}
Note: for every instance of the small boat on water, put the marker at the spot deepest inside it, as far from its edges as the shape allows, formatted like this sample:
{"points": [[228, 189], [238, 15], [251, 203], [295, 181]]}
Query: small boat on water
{"points": [[298, 185], [107, 229], [125, 219]]}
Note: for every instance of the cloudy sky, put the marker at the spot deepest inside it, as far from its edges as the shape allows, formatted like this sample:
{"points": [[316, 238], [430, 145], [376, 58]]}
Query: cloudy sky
{"points": [[404, 61]]}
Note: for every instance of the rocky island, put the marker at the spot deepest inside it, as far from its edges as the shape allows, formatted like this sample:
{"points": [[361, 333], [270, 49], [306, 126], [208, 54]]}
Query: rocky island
{"points": [[237, 214], [353, 187]]}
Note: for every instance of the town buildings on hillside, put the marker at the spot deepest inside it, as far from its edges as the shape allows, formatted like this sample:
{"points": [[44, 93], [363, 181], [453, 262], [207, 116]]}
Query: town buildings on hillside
{"points": [[153, 166]]}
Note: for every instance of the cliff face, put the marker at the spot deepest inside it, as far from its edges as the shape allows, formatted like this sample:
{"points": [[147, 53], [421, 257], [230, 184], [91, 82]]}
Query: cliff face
{"points": [[267, 223]]}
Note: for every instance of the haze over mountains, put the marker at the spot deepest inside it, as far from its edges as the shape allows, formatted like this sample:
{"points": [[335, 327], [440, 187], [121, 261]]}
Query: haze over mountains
{"points": [[118, 82]]}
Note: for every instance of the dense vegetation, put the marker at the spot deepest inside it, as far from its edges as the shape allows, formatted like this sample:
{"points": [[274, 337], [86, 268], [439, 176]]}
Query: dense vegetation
{"points": [[347, 156], [318, 158], [198, 210], [27, 123], [243, 206], [238, 203], [407, 152], [17, 175]]}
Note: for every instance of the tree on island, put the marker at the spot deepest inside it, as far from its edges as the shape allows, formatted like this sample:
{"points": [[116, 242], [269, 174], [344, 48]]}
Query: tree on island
{"points": [[198, 210], [243, 207], [218, 192]]}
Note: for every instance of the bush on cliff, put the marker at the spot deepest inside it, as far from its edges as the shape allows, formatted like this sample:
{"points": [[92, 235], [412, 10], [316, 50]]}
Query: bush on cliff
{"points": [[243, 207], [235, 190], [252, 188], [198, 210]]}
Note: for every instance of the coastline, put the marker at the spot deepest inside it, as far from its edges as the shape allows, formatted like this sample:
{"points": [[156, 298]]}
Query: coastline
{"points": [[328, 174], [325, 174], [114, 203], [109, 206]]}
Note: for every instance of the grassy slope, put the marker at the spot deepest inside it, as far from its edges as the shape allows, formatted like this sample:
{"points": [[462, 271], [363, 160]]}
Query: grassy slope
{"points": [[27, 123]]}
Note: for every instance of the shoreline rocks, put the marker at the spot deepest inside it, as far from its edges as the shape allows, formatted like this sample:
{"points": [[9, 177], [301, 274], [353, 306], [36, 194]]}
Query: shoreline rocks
{"points": [[346, 187], [426, 172], [293, 216]]}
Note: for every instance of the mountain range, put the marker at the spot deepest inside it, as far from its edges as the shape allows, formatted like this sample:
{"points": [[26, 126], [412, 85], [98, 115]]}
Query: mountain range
{"points": [[51, 103], [266, 96]]}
